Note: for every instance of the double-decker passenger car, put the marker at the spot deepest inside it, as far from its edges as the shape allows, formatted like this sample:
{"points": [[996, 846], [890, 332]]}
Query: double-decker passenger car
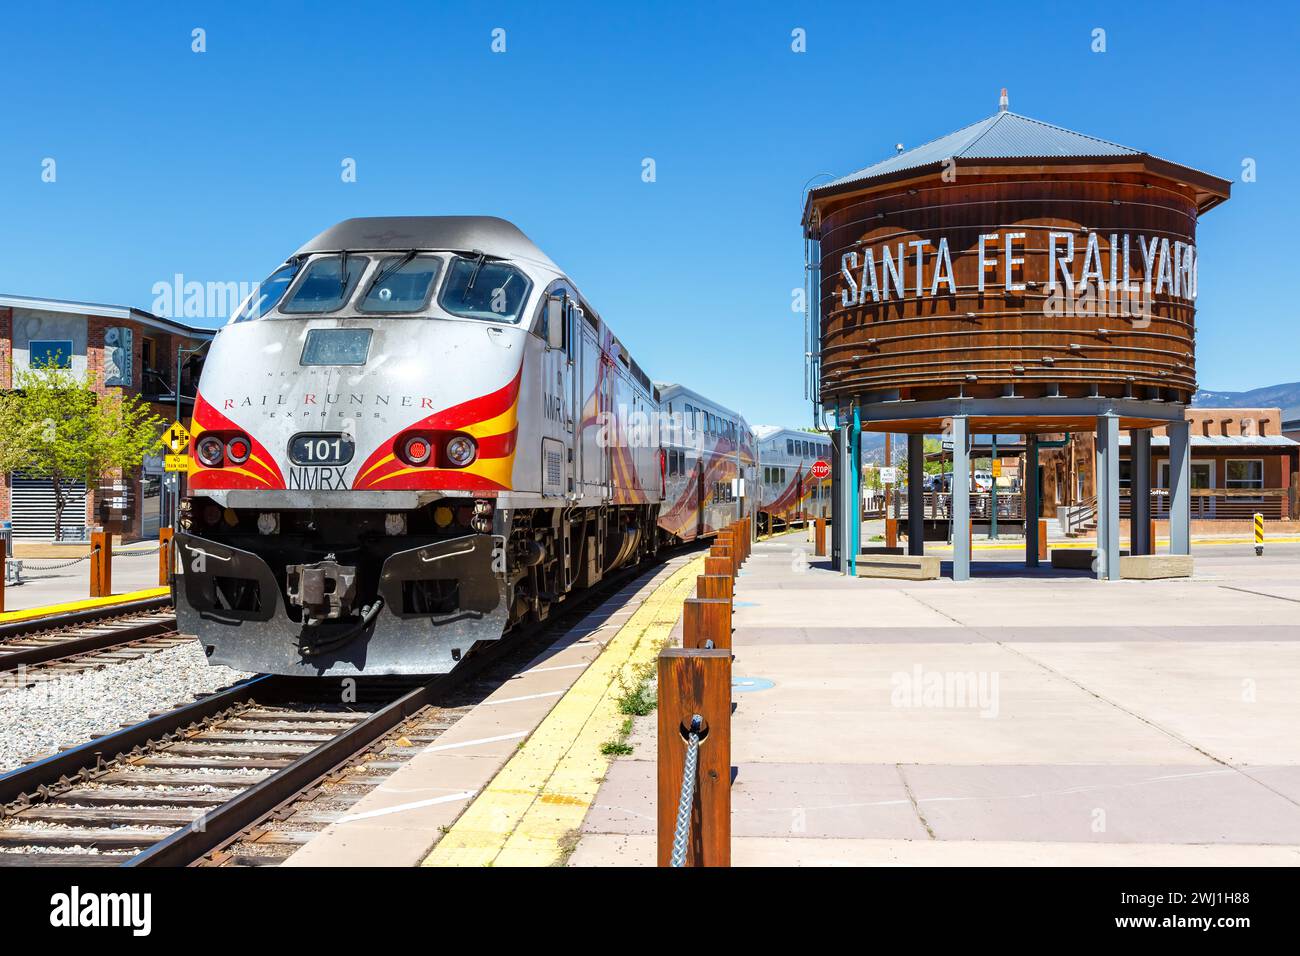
{"points": [[708, 463], [789, 492]]}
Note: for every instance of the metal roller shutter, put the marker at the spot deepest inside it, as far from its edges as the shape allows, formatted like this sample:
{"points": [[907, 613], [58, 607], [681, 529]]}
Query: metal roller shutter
{"points": [[31, 507]]}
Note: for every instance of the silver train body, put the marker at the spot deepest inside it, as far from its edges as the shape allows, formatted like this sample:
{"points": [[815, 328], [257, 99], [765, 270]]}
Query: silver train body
{"points": [[415, 435], [789, 491]]}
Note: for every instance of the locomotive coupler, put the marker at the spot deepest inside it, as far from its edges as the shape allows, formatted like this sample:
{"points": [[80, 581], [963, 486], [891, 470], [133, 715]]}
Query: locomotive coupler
{"points": [[325, 590]]}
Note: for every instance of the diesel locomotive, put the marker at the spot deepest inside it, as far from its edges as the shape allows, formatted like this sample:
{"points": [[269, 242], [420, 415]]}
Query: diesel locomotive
{"points": [[416, 434]]}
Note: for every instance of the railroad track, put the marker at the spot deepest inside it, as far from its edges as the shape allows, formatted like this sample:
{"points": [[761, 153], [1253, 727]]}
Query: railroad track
{"points": [[56, 646], [246, 775], [178, 786]]}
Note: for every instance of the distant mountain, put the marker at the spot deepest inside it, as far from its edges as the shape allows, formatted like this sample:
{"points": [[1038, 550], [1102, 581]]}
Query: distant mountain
{"points": [[1285, 397]]}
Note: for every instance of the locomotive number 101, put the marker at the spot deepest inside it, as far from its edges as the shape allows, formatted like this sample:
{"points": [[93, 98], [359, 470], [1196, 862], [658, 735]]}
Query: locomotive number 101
{"points": [[321, 449]]}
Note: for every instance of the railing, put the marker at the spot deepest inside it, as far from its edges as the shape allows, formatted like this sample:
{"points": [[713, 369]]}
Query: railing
{"points": [[1221, 504], [1076, 518], [938, 504]]}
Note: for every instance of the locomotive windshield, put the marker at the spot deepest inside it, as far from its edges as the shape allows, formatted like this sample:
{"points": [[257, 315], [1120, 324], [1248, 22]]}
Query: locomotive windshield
{"points": [[479, 288], [267, 294], [325, 287], [402, 284]]}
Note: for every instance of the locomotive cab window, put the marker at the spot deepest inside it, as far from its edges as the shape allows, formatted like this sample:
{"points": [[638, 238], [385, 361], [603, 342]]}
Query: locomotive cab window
{"points": [[479, 288], [324, 287], [336, 347], [401, 284], [267, 295]]}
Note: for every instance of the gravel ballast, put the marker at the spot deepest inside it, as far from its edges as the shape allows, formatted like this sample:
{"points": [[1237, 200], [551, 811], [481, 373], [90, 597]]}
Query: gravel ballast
{"points": [[38, 720]]}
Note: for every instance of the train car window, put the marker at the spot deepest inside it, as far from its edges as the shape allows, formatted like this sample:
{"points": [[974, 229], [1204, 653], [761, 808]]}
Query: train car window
{"points": [[401, 284], [267, 295], [789, 446], [479, 288], [336, 347], [323, 287]]}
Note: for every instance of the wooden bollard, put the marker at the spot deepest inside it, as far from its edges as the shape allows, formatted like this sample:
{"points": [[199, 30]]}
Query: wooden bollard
{"points": [[101, 563], [695, 683], [164, 556], [819, 548], [724, 554], [714, 565], [706, 619], [1153, 536], [891, 532], [1042, 539], [715, 586]]}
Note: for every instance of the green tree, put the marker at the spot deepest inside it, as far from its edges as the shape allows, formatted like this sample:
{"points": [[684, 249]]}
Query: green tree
{"points": [[55, 425]]}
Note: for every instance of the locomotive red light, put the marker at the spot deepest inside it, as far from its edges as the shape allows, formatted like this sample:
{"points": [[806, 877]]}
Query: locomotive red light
{"points": [[237, 450], [416, 450]]}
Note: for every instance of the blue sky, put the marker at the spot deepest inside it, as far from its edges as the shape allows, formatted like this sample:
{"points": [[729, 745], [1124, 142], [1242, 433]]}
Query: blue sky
{"points": [[216, 165]]}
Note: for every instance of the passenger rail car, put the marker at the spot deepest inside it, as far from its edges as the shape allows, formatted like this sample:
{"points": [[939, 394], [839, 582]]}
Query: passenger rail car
{"points": [[415, 434], [708, 464], [789, 492]]}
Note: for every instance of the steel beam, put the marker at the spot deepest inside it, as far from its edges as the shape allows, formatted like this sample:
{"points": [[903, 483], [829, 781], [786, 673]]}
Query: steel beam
{"points": [[961, 535], [1180, 488], [916, 494], [1107, 498], [1139, 535]]}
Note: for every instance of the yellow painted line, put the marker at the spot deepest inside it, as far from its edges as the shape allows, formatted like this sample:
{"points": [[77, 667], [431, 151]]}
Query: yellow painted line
{"points": [[542, 794], [50, 609]]}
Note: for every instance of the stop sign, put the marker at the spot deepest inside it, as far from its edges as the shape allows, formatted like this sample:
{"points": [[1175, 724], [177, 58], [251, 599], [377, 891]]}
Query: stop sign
{"points": [[820, 469]]}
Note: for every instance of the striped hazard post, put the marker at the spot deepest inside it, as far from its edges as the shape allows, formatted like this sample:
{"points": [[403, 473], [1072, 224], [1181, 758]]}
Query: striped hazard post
{"points": [[1259, 534]]}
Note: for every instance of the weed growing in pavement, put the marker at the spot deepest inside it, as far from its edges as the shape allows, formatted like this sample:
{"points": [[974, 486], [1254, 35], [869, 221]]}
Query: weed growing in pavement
{"points": [[638, 697], [619, 747]]}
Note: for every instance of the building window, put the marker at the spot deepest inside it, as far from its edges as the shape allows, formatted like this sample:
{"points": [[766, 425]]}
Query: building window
{"points": [[1245, 473], [49, 352]]}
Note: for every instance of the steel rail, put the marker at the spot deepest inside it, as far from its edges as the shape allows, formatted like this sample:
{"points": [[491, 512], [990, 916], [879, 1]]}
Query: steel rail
{"points": [[90, 615], [35, 779], [225, 822], [79, 646]]}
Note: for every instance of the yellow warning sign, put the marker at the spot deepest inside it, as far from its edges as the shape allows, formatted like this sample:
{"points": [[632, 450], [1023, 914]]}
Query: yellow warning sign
{"points": [[177, 438], [997, 467], [176, 462]]}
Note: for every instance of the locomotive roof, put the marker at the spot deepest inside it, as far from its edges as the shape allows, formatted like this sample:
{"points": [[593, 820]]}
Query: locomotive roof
{"points": [[496, 237]]}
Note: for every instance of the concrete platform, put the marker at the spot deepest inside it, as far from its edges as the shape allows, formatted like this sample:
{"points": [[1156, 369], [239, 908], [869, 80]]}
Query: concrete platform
{"points": [[58, 574], [1019, 718]]}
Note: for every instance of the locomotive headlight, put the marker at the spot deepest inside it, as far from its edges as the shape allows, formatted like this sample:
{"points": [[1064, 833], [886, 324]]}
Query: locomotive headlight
{"points": [[461, 450], [238, 449], [416, 450], [209, 450]]}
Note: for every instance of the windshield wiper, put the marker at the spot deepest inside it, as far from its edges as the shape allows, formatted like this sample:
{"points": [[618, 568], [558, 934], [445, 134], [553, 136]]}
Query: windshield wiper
{"points": [[394, 268], [473, 276], [343, 274]]}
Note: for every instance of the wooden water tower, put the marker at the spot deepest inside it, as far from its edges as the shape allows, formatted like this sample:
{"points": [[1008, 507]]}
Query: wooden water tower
{"points": [[1010, 277]]}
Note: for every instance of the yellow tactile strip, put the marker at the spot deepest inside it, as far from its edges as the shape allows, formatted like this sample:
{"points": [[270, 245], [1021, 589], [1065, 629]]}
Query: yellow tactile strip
{"points": [[50, 609], [540, 797]]}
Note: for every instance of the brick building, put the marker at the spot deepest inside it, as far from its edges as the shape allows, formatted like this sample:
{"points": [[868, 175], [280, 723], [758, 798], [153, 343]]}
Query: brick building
{"points": [[1242, 462], [127, 349]]}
